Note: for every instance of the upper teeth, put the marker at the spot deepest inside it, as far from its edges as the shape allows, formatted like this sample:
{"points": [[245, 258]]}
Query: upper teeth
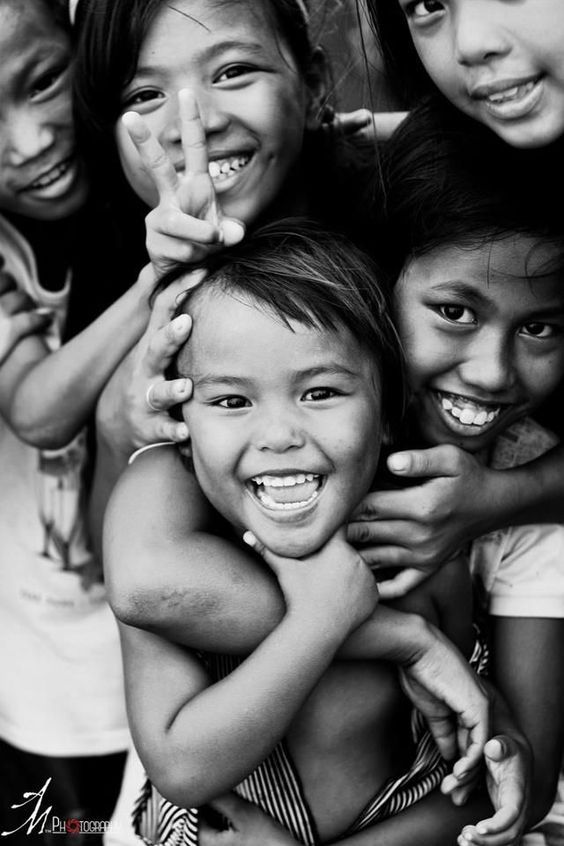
{"points": [[469, 413], [512, 93], [52, 176], [221, 168], [284, 481]]}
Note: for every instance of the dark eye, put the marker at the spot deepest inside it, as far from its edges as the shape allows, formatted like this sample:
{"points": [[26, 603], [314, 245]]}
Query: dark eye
{"points": [[423, 8], [48, 79], [234, 71], [137, 98], [233, 402], [539, 330], [319, 394], [457, 313]]}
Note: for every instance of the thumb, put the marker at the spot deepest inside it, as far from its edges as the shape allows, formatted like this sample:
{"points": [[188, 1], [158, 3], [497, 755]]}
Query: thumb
{"points": [[233, 231], [442, 460], [274, 561], [497, 749]]}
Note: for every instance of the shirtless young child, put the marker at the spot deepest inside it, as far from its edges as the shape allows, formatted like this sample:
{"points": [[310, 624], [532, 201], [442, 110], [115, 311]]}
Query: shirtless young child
{"points": [[297, 378]]}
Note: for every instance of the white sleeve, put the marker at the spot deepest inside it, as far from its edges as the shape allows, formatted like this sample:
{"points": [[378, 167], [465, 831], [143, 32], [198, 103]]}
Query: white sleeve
{"points": [[529, 578]]}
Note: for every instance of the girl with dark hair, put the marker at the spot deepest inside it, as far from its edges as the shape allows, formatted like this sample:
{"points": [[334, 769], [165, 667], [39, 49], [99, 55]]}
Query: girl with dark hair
{"points": [[494, 72]]}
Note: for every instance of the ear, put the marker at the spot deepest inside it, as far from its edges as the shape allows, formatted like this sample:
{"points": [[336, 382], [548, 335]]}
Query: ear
{"points": [[318, 87]]}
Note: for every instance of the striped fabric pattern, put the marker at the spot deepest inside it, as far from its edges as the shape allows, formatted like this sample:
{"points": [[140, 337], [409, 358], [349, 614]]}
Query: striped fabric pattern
{"points": [[275, 785]]}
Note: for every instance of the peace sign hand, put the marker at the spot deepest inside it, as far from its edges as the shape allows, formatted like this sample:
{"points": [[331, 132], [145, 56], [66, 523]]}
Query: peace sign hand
{"points": [[187, 222]]}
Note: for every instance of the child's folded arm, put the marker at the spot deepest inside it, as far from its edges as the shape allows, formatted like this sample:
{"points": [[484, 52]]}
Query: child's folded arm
{"points": [[46, 397], [197, 741]]}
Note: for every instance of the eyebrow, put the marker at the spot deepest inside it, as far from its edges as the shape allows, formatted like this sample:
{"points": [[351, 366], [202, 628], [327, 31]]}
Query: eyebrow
{"points": [[457, 286], [331, 369], [211, 52]]}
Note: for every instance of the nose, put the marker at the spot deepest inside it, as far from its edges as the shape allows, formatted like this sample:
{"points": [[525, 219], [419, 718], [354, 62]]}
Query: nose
{"points": [[489, 364], [478, 36], [27, 139], [278, 430]]}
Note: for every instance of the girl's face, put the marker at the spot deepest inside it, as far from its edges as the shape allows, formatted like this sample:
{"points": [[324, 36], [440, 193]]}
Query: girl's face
{"points": [[284, 421], [252, 99], [499, 61], [484, 343], [40, 176]]}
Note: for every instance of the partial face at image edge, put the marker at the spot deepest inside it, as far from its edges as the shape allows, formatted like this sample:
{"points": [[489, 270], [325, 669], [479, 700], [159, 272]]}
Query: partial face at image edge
{"points": [[41, 176]]}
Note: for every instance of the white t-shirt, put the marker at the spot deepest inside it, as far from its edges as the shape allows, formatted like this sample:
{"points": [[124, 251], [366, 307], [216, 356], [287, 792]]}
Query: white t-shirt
{"points": [[521, 568], [61, 688]]}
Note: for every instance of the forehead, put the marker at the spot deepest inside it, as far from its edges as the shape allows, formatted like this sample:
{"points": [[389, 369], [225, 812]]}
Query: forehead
{"points": [[513, 257], [28, 34], [195, 25], [234, 333]]}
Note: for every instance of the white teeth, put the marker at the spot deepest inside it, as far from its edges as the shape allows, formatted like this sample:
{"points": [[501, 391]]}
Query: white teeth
{"points": [[466, 416], [50, 177], [222, 168], [284, 481], [469, 414], [511, 93]]}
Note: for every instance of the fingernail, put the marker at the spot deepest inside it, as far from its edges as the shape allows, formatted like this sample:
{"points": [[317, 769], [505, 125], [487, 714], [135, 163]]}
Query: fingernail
{"points": [[182, 432], [249, 539], [180, 387], [181, 324], [398, 463], [481, 829]]}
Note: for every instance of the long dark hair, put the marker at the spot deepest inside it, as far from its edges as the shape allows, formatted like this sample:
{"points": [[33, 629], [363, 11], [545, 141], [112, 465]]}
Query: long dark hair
{"points": [[341, 179], [450, 180]]}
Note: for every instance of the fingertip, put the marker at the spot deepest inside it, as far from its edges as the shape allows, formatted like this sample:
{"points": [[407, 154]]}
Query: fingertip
{"points": [[181, 433], [250, 539], [398, 462], [495, 749], [181, 324], [132, 122], [232, 230]]}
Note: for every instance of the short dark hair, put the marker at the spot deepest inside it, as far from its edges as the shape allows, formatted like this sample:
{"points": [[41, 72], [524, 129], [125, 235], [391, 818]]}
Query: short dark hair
{"points": [[300, 272], [456, 182]]}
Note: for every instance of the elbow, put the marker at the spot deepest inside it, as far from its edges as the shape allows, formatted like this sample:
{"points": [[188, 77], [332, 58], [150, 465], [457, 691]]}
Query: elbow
{"points": [[35, 432], [186, 788]]}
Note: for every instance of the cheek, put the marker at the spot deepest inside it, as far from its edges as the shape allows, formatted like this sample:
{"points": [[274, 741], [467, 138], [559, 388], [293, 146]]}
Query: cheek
{"points": [[543, 377]]}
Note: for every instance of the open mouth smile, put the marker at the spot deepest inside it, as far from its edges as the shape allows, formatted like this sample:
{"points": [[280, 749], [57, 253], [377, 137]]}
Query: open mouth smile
{"points": [[221, 170], [462, 413], [511, 101], [54, 181], [286, 492]]}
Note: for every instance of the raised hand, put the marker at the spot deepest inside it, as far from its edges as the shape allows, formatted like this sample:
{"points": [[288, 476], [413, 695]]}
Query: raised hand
{"points": [[187, 222]]}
